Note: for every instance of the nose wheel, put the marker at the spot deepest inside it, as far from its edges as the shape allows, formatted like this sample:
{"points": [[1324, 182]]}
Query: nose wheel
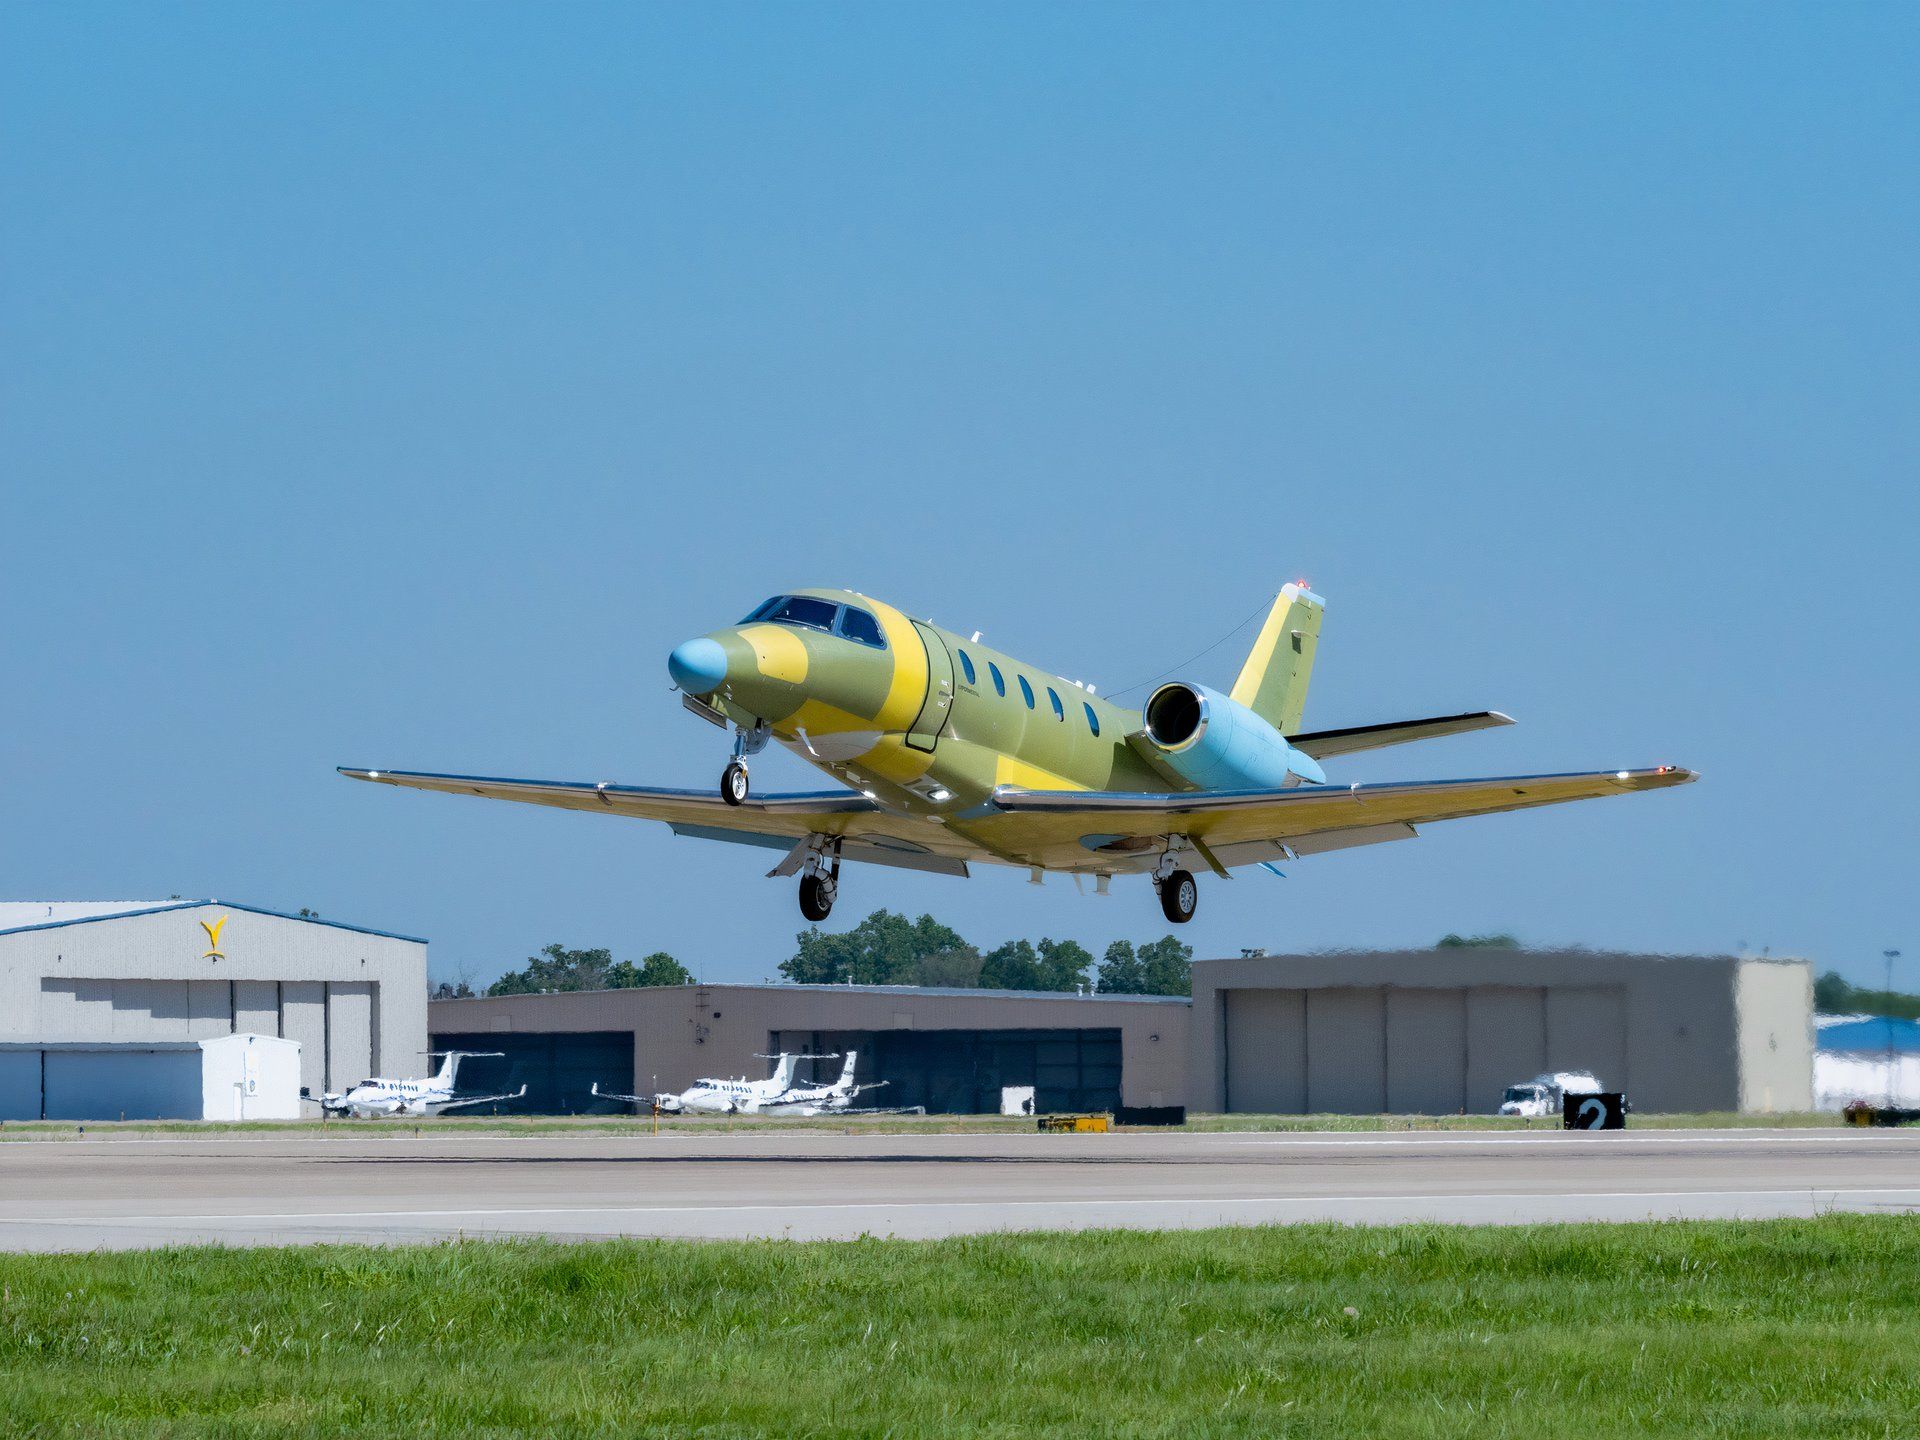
{"points": [[1179, 897], [734, 784]]}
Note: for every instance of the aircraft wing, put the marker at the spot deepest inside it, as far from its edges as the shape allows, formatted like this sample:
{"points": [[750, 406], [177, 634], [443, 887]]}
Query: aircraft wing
{"points": [[868, 831], [446, 1105], [1248, 826], [1322, 744]]}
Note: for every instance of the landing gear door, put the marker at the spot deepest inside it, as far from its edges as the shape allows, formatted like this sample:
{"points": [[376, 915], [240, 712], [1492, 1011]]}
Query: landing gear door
{"points": [[939, 698]]}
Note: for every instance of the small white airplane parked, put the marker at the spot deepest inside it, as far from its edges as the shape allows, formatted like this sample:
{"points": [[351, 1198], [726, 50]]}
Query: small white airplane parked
{"points": [[724, 1097], [831, 1099], [383, 1096]]}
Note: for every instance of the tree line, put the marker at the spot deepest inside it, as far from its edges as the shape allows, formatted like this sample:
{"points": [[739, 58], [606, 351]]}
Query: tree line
{"points": [[883, 949], [890, 949], [558, 968], [1834, 996]]}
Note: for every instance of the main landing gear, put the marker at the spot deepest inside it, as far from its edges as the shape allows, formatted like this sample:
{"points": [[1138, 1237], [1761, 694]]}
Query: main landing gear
{"points": [[1179, 895], [819, 883], [734, 784]]}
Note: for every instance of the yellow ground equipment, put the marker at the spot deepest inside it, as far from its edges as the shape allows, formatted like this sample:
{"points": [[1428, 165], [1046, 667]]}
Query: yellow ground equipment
{"points": [[1083, 1124]]}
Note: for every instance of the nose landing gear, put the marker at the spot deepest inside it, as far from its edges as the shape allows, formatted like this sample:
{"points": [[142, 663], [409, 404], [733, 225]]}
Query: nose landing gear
{"points": [[734, 782]]}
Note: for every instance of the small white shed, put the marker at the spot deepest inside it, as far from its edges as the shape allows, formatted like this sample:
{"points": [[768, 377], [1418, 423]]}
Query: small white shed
{"points": [[224, 1077]]}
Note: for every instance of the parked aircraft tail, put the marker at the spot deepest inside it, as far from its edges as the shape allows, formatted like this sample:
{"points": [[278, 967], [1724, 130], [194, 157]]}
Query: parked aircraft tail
{"points": [[1273, 682]]}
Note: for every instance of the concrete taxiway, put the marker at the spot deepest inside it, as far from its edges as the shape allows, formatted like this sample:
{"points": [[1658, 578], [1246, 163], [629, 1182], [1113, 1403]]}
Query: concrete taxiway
{"points": [[395, 1187]]}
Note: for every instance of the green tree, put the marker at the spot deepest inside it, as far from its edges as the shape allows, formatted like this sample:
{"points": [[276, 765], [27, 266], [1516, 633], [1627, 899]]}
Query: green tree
{"points": [[883, 949], [1499, 940], [659, 968], [1121, 972], [1012, 966], [958, 967], [1168, 966], [1064, 965], [556, 968]]}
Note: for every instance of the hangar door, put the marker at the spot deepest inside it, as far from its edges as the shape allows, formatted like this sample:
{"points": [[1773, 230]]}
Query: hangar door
{"points": [[961, 1072], [1357, 1050]]}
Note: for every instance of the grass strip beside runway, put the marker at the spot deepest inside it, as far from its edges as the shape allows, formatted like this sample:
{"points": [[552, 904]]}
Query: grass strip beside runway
{"points": [[1792, 1327]]}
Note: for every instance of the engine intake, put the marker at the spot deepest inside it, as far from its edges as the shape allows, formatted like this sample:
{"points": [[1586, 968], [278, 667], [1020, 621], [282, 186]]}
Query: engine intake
{"points": [[1176, 715]]}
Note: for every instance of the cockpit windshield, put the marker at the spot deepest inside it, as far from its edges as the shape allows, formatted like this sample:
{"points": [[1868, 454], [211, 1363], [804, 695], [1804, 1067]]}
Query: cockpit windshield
{"points": [[811, 613], [801, 610], [1522, 1092]]}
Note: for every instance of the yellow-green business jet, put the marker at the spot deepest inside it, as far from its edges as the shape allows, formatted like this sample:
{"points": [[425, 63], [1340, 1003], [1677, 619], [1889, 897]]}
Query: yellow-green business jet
{"points": [[956, 753]]}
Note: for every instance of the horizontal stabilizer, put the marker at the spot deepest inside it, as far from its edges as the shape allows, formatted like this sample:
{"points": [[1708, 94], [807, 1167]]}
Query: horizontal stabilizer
{"points": [[1324, 743]]}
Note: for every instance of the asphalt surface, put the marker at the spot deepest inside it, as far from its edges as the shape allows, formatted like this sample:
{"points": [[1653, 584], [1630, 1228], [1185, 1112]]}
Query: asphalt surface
{"points": [[391, 1187]]}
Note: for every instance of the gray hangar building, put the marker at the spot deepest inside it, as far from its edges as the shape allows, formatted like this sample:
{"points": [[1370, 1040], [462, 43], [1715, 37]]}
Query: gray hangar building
{"points": [[84, 978], [1413, 1032], [949, 1050]]}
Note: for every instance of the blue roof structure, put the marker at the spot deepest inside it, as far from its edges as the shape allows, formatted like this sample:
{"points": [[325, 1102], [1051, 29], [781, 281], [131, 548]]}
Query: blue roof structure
{"points": [[13, 919], [1871, 1034]]}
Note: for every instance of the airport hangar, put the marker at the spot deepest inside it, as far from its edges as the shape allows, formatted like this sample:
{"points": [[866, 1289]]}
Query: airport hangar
{"points": [[1414, 1032], [97, 999]]}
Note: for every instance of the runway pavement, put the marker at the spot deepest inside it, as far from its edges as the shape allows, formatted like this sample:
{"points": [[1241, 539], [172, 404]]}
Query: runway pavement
{"points": [[391, 1187]]}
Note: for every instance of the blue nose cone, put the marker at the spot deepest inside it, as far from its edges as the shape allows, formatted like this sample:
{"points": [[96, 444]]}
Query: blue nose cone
{"points": [[698, 666]]}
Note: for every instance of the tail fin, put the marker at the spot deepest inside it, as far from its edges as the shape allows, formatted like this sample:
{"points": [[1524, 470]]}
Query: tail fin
{"points": [[1273, 682], [845, 1082], [783, 1072], [449, 1067]]}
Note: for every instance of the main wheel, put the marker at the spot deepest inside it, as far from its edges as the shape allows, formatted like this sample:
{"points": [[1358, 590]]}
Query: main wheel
{"points": [[816, 897], [734, 783], [1179, 897]]}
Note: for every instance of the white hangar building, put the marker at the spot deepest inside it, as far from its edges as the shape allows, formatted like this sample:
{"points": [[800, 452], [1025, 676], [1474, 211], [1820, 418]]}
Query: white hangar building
{"points": [[138, 972]]}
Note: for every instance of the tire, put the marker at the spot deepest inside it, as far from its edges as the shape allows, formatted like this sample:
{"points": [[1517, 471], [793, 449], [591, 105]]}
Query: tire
{"points": [[816, 897], [734, 784], [1179, 897]]}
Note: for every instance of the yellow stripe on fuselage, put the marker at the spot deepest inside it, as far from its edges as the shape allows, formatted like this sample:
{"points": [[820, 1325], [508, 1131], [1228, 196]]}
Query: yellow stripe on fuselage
{"points": [[1008, 770], [908, 692], [780, 654]]}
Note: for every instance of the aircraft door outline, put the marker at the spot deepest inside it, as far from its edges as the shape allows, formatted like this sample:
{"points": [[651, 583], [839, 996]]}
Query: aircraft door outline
{"points": [[938, 702]]}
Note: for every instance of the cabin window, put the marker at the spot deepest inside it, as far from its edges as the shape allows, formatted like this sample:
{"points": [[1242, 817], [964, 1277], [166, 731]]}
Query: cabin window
{"points": [[999, 680], [966, 666], [1059, 710], [1026, 692], [1093, 720], [861, 628], [802, 610]]}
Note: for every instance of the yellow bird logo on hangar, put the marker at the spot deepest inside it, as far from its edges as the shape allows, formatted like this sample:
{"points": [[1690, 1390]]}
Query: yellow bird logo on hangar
{"points": [[213, 930]]}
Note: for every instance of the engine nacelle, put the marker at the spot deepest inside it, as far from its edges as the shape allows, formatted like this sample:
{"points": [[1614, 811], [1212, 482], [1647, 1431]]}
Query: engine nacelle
{"points": [[1216, 743]]}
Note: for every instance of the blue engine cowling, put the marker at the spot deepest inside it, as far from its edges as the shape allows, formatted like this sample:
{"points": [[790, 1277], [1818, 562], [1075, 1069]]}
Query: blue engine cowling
{"points": [[1216, 743]]}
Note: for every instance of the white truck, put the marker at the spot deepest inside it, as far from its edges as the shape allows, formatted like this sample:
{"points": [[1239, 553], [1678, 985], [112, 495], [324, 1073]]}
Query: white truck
{"points": [[1543, 1094]]}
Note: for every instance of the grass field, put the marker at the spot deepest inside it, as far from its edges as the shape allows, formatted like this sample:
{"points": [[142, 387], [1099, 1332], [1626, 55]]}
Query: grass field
{"points": [[839, 1125], [1804, 1328]]}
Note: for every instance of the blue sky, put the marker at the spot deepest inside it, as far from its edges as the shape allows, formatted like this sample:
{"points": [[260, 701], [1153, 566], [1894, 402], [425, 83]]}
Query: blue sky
{"points": [[394, 386]]}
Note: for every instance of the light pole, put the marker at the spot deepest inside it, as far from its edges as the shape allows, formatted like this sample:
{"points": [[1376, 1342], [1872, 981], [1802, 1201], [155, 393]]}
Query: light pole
{"points": [[1889, 956]]}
